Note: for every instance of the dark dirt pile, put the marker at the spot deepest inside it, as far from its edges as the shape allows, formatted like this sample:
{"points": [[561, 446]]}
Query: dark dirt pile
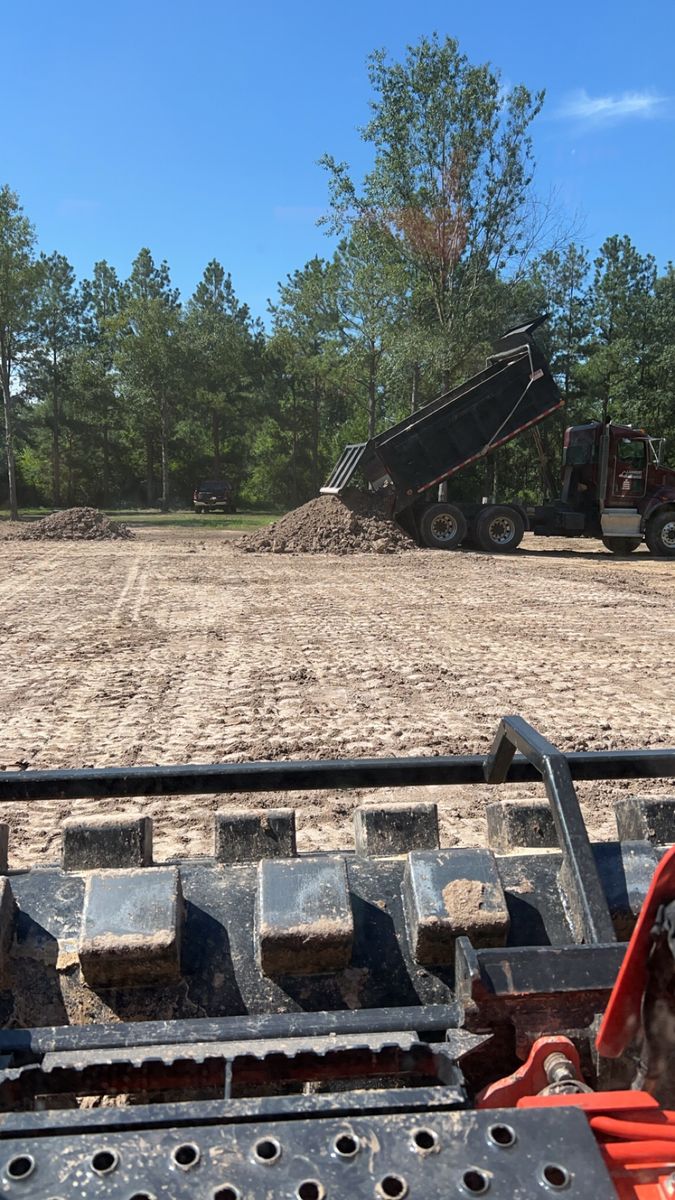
{"points": [[353, 523], [86, 524]]}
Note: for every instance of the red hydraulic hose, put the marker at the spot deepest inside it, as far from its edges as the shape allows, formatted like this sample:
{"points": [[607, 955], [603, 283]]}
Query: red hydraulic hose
{"points": [[658, 1153], [634, 1130]]}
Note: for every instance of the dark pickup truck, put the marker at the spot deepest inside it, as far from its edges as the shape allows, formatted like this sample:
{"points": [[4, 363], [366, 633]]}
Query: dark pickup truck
{"points": [[212, 495]]}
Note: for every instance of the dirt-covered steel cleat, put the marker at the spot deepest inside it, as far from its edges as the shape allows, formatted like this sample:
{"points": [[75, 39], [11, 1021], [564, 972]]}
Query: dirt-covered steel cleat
{"points": [[327, 1021]]}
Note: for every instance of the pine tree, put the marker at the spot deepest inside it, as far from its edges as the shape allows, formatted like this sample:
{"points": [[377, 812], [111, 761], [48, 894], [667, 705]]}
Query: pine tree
{"points": [[18, 286]]}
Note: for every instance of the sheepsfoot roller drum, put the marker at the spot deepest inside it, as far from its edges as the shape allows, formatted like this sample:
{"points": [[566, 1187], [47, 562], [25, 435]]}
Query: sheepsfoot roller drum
{"points": [[396, 1019]]}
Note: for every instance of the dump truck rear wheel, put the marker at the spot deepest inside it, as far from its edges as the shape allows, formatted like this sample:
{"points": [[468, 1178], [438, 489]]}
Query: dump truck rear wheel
{"points": [[660, 534], [442, 526], [499, 529], [621, 545]]}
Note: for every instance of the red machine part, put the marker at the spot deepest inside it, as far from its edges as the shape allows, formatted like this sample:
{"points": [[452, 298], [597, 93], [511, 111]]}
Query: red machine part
{"points": [[531, 1078], [623, 1013], [635, 1135], [636, 1138]]}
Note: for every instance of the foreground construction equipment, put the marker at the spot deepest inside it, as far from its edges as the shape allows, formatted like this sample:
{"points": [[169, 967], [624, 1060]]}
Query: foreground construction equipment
{"points": [[397, 1020], [613, 485]]}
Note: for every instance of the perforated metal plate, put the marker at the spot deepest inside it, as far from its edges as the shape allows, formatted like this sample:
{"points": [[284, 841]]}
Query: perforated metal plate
{"points": [[501, 1153]]}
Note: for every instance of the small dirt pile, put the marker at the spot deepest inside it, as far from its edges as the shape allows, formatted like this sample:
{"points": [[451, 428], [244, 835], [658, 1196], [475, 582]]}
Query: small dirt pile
{"points": [[353, 523], [73, 524]]}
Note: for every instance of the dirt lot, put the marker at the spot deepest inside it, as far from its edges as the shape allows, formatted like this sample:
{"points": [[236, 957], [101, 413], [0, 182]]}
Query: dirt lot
{"points": [[174, 647]]}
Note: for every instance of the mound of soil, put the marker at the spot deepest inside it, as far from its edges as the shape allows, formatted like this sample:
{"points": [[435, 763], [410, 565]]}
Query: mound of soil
{"points": [[353, 523], [85, 524]]}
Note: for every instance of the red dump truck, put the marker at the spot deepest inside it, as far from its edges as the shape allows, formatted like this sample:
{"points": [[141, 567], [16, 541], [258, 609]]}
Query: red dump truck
{"points": [[613, 484]]}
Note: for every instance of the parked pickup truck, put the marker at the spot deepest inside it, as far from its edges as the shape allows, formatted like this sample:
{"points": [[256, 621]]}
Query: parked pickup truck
{"points": [[212, 495]]}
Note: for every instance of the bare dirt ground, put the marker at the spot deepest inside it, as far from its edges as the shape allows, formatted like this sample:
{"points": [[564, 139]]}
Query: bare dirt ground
{"points": [[174, 647]]}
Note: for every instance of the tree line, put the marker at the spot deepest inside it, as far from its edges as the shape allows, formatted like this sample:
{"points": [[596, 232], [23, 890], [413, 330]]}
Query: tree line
{"points": [[118, 392]]}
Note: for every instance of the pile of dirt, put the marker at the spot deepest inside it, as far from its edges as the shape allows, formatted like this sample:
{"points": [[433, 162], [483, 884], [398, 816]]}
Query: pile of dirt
{"points": [[353, 523], [74, 524]]}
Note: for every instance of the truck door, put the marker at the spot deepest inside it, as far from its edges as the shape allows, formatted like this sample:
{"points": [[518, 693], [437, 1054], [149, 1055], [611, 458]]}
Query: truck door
{"points": [[628, 472]]}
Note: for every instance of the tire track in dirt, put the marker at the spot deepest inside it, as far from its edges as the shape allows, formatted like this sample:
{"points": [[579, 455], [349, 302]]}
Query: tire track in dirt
{"points": [[118, 614], [16, 585]]}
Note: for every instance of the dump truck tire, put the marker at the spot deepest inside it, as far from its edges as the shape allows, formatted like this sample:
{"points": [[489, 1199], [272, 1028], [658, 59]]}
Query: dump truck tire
{"points": [[621, 545], [660, 534], [499, 529], [443, 527]]}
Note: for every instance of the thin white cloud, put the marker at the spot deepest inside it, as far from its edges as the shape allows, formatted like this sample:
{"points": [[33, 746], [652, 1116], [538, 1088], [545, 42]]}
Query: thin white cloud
{"points": [[596, 110]]}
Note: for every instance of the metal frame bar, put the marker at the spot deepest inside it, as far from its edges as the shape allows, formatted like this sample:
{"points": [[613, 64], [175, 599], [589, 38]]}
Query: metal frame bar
{"points": [[580, 881], [178, 1114], [29, 1044], [318, 775]]}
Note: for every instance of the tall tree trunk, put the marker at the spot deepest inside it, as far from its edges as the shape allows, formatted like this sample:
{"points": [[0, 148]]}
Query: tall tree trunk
{"points": [[215, 438], [71, 475], [372, 394], [164, 434], [294, 452], [105, 481], [56, 431], [547, 485], [8, 410], [414, 395], [150, 470], [605, 401], [316, 425]]}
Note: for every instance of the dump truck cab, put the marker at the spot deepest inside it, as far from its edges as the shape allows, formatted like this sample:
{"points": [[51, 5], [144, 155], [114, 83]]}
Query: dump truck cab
{"points": [[613, 478]]}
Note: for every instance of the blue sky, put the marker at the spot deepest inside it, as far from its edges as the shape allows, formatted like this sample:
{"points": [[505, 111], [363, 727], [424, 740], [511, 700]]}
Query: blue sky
{"points": [[195, 129]]}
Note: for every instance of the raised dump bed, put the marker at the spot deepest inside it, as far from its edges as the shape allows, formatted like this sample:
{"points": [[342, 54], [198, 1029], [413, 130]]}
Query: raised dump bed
{"points": [[411, 459]]}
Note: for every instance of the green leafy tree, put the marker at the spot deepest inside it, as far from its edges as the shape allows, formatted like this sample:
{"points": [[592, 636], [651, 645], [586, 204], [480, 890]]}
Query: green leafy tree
{"points": [[307, 346], [56, 332], [370, 298], [449, 186], [224, 350], [617, 370], [563, 279], [662, 399], [149, 356], [94, 376], [18, 285]]}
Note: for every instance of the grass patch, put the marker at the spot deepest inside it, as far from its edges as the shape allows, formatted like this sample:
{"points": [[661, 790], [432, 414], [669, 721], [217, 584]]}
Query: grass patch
{"points": [[183, 519]]}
